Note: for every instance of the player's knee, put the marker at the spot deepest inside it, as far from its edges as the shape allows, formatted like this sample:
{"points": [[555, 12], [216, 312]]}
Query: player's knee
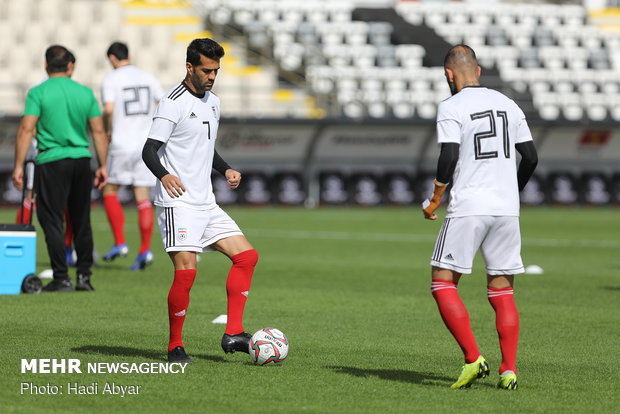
{"points": [[246, 258]]}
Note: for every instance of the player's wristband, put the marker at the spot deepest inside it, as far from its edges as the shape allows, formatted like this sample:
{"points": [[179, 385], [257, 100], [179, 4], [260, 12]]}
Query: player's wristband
{"points": [[429, 206], [438, 192]]}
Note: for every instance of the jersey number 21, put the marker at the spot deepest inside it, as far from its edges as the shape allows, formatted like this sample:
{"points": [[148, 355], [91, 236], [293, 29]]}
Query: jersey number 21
{"points": [[491, 133]]}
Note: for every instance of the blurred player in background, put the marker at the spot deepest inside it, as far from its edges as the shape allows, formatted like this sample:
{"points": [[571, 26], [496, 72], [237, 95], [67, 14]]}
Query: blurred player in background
{"points": [[183, 137], [129, 96], [61, 111], [479, 130], [24, 213]]}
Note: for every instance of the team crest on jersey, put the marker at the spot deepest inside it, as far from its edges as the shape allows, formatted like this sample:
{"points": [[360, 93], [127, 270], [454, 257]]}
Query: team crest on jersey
{"points": [[214, 111], [182, 233]]}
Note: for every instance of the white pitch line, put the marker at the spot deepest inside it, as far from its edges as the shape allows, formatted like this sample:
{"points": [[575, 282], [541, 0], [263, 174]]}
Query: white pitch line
{"points": [[341, 235], [415, 238]]}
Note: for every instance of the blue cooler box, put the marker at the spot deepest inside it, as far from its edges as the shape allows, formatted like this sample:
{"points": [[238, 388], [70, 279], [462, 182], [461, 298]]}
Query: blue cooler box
{"points": [[18, 255]]}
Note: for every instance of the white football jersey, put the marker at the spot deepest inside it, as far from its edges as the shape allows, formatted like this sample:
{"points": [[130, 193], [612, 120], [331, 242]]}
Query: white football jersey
{"points": [[187, 124], [487, 125], [134, 93]]}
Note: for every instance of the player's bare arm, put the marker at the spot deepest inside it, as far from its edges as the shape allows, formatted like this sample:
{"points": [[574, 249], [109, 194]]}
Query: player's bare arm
{"points": [[27, 127], [445, 169], [101, 144], [108, 112], [429, 206]]}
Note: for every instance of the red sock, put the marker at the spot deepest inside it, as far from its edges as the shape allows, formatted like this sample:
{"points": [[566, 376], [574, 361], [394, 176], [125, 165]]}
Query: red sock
{"points": [[68, 230], [507, 324], [455, 316], [238, 288], [116, 217], [178, 301], [145, 223], [26, 210]]}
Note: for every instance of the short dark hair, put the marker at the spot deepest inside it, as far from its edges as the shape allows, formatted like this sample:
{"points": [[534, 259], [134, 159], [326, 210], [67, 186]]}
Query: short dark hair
{"points": [[206, 47], [460, 53], [57, 58], [119, 50]]}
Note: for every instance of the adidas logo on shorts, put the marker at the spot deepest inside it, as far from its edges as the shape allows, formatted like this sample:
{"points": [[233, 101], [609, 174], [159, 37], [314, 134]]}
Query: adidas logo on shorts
{"points": [[449, 257], [192, 115]]}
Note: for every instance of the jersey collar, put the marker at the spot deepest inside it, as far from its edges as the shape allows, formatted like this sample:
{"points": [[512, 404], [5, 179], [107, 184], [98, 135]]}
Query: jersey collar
{"points": [[193, 93]]}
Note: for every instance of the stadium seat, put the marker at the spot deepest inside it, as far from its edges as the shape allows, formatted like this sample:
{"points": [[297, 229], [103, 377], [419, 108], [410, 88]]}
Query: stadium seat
{"points": [[19, 13], [111, 15], [379, 33], [549, 112], [615, 113], [426, 110], [403, 110], [377, 109], [353, 110], [572, 111], [596, 112]]}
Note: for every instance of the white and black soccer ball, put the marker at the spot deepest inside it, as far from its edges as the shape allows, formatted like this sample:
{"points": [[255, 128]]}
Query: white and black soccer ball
{"points": [[269, 346]]}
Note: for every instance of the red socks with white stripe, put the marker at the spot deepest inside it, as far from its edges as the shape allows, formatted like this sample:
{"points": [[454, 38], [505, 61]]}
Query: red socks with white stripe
{"points": [[507, 324], [238, 288], [455, 316], [116, 217], [145, 223], [178, 301]]}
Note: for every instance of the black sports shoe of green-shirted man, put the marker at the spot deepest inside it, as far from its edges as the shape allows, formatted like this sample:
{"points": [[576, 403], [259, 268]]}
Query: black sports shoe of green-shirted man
{"points": [[234, 343]]}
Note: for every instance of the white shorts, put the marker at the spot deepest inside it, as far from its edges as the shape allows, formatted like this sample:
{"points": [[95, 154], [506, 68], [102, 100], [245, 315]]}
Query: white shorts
{"points": [[187, 230], [497, 237], [129, 169]]}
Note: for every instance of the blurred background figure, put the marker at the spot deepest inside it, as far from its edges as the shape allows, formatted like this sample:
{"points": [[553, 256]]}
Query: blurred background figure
{"points": [[129, 97], [60, 111]]}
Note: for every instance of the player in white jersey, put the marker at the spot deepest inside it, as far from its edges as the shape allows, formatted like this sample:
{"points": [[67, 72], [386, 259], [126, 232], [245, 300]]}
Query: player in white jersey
{"points": [[479, 130], [129, 97], [180, 151]]}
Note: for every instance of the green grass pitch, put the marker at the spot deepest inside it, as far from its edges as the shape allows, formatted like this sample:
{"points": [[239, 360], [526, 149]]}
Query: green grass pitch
{"points": [[350, 288]]}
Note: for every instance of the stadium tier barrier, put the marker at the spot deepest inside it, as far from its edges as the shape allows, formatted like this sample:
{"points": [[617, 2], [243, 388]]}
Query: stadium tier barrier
{"points": [[339, 162]]}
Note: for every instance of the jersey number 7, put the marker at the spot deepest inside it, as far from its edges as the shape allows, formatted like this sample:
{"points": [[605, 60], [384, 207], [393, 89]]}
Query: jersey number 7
{"points": [[491, 133], [208, 129]]}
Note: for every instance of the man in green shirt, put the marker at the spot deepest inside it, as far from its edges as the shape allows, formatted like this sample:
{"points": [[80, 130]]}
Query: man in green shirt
{"points": [[61, 111]]}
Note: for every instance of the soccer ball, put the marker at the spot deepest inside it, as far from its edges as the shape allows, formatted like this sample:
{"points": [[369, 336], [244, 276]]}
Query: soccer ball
{"points": [[268, 346]]}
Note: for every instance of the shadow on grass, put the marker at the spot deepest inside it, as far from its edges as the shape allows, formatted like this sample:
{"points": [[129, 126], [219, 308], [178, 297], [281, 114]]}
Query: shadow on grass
{"points": [[401, 375], [394, 375], [612, 288], [138, 352], [100, 265], [112, 266], [120, 351]]}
